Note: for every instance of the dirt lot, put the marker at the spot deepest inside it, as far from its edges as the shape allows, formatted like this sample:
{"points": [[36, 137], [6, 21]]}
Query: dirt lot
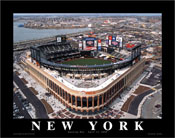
{"points": [[141, 89], [47, 106], [17, 73], [126, 105], [33, 90], [25, 82]]}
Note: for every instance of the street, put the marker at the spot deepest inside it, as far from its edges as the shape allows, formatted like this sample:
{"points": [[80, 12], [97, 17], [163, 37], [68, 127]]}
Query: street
{"points": [[40, 109]]}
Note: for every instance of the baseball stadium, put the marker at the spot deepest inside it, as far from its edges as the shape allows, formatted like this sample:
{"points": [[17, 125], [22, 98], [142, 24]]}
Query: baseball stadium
{"points": [[85, 79]]}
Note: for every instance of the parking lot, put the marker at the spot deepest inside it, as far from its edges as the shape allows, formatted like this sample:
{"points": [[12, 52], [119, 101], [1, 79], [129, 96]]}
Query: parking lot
{"points": [[152, 107], [40, 109], [153, 78], [20, 107]]}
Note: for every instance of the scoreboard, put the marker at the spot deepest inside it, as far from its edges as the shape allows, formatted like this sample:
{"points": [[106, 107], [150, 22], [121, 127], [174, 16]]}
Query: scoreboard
{"points": [[89, 43], [114, 41]]}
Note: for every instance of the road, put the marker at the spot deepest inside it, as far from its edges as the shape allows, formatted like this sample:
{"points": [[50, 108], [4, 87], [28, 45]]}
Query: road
{"points": [[39, 107], [20, 106], [158, 86], [133, 108]]}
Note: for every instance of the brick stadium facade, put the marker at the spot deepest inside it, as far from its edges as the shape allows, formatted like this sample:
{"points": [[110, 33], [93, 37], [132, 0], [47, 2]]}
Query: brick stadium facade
{"points": [[81, 101]]}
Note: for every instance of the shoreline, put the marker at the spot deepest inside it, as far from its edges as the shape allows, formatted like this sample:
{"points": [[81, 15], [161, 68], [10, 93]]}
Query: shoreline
{"points": [[42, 28]]}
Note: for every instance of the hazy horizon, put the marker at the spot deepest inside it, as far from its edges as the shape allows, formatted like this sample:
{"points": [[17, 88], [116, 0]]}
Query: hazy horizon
{"points": [[87, 14]]}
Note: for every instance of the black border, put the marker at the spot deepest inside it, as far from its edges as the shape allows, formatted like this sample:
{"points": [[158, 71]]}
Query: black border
{"points": [[154, 126]]}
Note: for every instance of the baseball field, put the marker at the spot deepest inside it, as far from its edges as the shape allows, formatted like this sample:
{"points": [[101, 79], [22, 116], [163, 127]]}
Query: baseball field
{"points": [[86, 61]]}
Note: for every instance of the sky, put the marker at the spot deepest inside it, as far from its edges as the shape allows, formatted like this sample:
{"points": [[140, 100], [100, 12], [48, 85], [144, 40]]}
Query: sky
{"points": [[87, 14]]}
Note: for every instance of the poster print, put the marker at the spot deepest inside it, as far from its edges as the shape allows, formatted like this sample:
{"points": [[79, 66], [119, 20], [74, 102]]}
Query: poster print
{"points": [[62, 90]]}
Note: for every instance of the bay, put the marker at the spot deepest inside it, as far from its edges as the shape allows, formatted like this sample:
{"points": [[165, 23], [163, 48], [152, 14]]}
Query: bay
{"points": [[22, 34]]}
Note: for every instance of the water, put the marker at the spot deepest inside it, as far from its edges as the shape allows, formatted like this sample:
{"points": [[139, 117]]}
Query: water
{"points": [[22, 34]]}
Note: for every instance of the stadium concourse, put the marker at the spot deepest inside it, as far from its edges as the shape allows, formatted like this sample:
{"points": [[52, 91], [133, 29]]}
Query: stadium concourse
{"points": [[89, 87]]}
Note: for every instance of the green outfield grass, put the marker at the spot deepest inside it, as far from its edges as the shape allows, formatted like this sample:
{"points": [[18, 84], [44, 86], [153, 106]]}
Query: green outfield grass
{"points": [[86, 61]]}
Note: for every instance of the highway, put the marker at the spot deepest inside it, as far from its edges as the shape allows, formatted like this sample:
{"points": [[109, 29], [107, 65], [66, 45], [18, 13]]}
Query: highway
{"points": [[41, 112]]}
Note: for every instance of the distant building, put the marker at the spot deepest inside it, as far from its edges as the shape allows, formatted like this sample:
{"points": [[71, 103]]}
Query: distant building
{"points": [[89, 25]]}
